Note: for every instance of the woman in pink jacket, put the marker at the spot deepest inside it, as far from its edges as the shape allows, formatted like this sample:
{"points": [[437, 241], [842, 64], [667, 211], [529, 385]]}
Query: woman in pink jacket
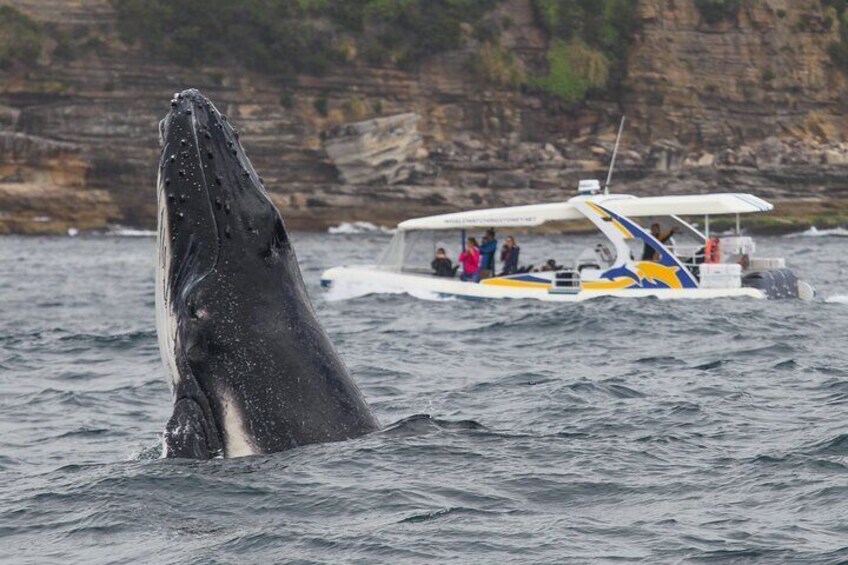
{"points": [[470, 261]]}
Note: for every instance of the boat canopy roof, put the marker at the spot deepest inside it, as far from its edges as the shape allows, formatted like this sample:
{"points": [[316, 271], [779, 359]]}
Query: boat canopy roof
{"points": [[626, 205]]}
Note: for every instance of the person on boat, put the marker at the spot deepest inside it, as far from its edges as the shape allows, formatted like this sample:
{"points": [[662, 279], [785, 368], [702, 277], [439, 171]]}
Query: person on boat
{"points": [[470, 261], [509, 257], [648, 252], [487, 254], [442, 266], [550, 265], [603, 254]]}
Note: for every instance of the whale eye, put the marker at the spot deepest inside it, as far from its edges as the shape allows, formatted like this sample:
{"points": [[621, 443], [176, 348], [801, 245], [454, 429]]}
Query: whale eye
{"points": [[197, 313]]}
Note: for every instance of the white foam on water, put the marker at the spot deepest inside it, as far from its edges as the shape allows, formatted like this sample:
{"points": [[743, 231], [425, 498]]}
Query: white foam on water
{"points": [[121, 231], [355, 228], [815, 232], [347, 290], [837, 299]]}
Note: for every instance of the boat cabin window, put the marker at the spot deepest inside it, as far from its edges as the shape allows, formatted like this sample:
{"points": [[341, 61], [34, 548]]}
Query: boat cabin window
{"points": [[414, 251]]}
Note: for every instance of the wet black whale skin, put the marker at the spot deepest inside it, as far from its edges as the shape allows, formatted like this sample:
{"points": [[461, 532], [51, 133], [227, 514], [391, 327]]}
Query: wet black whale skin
{"points": [[256, 371]]}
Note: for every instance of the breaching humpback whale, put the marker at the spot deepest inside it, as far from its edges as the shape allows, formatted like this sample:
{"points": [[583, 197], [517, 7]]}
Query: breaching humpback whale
{"points": [[252, 370]]}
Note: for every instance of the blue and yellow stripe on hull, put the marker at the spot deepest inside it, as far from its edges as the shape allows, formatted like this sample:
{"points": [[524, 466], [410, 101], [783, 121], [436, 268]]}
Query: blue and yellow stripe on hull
{"points": [[521, 281]]}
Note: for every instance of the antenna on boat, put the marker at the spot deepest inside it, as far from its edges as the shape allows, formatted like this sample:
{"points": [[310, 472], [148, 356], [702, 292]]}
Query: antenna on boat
{"points": [[614, 155]]}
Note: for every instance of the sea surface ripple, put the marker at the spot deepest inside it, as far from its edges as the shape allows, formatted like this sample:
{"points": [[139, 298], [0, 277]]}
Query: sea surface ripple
{"points": [[638, 431]]}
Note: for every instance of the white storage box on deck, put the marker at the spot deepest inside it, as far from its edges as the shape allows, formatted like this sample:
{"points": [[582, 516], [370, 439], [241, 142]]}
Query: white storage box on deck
{"points": [[721, 275], [734, 248]]}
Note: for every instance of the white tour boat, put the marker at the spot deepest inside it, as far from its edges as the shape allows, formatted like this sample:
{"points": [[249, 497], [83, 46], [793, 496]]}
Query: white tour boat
{"points": [[692, 264]]}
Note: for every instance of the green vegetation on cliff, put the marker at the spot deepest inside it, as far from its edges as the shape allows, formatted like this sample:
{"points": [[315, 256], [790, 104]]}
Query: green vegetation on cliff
{"points": [[21, 39], [287, 37], [589, 44], [838, 50], [714, 11], [589, 39]]}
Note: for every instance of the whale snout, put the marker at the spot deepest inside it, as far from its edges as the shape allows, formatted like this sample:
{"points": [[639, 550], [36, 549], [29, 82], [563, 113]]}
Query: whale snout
{"points": [[188, 99]]}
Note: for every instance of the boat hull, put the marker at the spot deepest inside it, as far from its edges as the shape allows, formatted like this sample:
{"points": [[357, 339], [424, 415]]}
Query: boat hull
{"points": [[349, 282]]}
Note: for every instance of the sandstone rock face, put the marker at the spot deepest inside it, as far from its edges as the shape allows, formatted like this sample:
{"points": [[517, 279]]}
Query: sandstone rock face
{"points": [[753, 105], [42, 188], [767, 74], [381, 150]]}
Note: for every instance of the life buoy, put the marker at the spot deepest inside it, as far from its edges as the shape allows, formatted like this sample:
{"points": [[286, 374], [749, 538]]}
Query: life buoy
{"points": [[711, 254]]}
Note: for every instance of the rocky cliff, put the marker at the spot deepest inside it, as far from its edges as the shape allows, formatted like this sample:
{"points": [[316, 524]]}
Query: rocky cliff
{"points": [[751, 103]]}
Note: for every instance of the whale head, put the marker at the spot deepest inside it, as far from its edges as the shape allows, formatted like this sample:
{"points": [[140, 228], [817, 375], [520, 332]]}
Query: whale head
{"points": [[247, 358]]}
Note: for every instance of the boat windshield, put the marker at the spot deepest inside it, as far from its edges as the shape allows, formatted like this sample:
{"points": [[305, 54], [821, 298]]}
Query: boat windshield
{"points": [[413, 251]]}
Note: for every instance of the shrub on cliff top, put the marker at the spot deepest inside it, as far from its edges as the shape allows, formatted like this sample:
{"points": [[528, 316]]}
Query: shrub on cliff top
{"points": [[590, 40], [21, 39], [494, 66], [295, 36], [574, 69], [838, 50], [714, 11]]}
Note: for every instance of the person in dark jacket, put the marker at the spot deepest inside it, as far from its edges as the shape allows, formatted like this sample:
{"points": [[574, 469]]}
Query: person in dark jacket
{"points": [[509, 257], [550, 265], [648, 253], [488, 248], [442, 266]]}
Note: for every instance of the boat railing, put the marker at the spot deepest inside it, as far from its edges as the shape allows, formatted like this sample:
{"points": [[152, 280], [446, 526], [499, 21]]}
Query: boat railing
{"points": [[689, 255]]}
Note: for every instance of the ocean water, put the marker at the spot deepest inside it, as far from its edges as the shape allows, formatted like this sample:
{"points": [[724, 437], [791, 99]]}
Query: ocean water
{"points": [[638, 431]]}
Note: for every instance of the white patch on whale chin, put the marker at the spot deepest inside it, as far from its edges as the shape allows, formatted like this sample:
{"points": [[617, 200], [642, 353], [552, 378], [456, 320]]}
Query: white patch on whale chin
{"points": [[236, 440]]}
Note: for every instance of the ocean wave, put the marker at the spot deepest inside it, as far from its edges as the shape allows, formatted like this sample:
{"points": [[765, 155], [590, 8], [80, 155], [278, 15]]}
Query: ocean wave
{"points": [[815, 232], [513, 430], [356, 228], [419, 424]]}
